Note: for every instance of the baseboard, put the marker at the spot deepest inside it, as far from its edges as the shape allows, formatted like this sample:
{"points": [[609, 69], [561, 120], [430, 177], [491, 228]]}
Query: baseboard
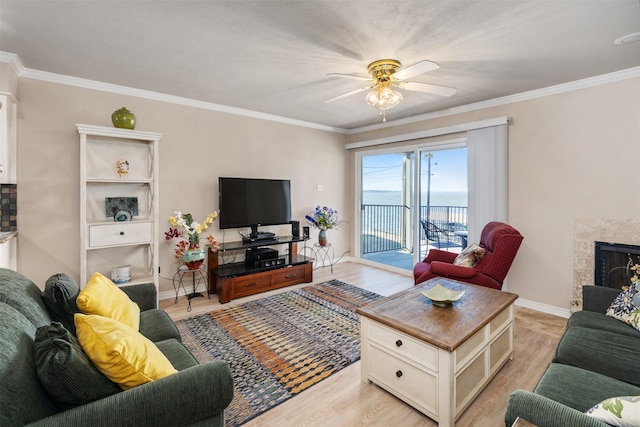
{"points": [[520, 302], [345, 258], [544, 308], [171, 294]]}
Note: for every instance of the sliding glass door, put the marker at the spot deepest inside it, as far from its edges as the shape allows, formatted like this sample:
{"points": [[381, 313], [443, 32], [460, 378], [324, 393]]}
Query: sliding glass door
{"points": [[386, 208], [392, 184], [443, 199]]}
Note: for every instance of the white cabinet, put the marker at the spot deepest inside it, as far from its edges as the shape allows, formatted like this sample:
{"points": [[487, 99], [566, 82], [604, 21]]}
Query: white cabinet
{"points": [[133, 189], [437, 382], [8, 138]]}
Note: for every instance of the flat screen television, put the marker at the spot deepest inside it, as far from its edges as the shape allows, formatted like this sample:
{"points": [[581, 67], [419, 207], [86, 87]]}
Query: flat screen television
{"points": [[251, 202]]}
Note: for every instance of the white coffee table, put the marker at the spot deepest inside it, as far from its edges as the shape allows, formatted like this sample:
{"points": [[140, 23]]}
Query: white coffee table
{"points": [[437, 359]]}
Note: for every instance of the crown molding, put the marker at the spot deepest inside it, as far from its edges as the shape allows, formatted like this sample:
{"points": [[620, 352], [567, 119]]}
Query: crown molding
{"points": [[163, 97], [29, 73], [509, 99], [14, 61]]}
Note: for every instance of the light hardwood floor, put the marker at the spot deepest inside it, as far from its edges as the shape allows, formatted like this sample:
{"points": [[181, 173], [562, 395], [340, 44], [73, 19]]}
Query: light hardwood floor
{"points": [[343, 400]]}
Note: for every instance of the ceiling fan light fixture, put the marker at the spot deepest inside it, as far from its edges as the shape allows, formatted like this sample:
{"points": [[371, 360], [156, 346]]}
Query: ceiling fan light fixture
{"points": [[385, 75], [383, 98], [372, 98], [390, 96]]}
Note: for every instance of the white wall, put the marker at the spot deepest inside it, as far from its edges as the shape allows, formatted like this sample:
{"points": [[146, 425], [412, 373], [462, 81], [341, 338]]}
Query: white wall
{"points": [[198, 146], [571, 155]]}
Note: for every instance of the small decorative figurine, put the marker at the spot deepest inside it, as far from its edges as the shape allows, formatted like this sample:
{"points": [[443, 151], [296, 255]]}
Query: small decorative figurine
{"points": [[122, 167]]}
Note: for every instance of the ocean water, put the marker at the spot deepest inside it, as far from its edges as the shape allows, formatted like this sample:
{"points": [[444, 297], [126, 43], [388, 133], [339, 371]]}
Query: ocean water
{"points": [[382, 227], [438, 198]]}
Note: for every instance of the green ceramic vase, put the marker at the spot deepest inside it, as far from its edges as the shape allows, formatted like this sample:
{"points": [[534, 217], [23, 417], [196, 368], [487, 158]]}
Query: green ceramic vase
{"points": [[123, 119]]}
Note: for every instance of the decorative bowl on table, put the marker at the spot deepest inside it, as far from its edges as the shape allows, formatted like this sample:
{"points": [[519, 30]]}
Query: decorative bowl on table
{"points": [[441, 296]]}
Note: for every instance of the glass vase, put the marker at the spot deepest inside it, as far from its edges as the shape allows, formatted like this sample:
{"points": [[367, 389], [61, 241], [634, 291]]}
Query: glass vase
{"points": [[322, 238]]}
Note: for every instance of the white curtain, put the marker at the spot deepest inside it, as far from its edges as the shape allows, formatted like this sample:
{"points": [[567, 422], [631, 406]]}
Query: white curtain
{"points": [[487, 175]]}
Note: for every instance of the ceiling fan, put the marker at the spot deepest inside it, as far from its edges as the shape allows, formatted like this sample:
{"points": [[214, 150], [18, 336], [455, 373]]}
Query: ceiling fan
{"points": [[384, 75]]}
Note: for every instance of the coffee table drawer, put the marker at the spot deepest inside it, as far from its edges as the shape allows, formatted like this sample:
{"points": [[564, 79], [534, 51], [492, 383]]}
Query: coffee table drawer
{"points": [[411, 383], [501, 320], [402, 344]]}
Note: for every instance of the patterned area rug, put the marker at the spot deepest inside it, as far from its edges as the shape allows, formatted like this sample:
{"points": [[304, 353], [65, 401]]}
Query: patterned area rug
{"points": [[280, 345]]}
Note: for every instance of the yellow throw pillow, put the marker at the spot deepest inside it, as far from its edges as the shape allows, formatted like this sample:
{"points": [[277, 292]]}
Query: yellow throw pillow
{"points": [[103, 298], [123, 355]]}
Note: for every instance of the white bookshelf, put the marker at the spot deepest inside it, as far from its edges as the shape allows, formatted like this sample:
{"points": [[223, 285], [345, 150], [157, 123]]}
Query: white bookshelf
{"points": [[104, 242]]}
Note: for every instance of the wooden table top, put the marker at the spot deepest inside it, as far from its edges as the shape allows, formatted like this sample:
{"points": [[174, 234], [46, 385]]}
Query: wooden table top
{"points": [[445, 327]]}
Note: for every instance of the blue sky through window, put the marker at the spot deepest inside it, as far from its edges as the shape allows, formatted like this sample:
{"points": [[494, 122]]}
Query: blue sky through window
{"points": [[448, 171]]}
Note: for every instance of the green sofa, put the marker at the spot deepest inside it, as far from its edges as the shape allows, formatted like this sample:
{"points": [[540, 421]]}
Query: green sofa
{"points": [[196, 395], [596, 358]]}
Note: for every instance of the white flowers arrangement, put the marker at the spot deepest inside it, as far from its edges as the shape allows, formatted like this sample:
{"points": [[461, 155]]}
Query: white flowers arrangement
{"points": [[192, 229]]}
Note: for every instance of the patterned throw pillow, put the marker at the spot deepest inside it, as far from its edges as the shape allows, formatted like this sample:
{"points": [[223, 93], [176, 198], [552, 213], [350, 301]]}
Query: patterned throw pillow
{"points": [[623, 307], [471, 256], [623, 411]]}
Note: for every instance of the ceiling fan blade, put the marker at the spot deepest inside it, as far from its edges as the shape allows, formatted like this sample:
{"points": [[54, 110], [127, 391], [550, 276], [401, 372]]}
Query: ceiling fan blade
{"points": [[351, 76], [415, 69], [344, 95], [428, 88]]}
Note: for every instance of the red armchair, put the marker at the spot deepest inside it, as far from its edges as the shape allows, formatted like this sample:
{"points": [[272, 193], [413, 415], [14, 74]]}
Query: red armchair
{"points": [[501, 243]]}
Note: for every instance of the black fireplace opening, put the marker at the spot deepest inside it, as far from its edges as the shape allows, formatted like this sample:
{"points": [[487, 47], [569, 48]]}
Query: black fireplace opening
{"points": [[613, 264]]}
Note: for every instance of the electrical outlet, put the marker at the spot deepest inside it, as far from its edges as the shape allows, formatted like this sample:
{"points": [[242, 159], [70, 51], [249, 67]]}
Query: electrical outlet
{"points": [[319, 187]]}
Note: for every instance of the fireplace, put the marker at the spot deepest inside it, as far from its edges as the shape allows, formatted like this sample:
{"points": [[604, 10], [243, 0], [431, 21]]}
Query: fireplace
{"points": [[613, 262], [586, 232]]}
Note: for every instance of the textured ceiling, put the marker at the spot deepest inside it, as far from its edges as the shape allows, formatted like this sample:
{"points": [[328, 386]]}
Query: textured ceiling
{"points": [[274, 56]]}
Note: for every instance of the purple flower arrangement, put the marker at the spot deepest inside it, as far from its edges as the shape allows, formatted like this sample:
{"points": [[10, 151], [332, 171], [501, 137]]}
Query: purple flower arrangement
{"points": [[323, 218]]}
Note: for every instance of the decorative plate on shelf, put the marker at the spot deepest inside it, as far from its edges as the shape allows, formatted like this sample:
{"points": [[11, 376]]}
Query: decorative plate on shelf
{"points": [[441, 296], [122, 216], [113, 205]]}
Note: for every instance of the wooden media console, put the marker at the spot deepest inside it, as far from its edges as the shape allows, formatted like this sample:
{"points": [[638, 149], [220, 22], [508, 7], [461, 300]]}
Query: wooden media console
{"points": [[231, 279]]}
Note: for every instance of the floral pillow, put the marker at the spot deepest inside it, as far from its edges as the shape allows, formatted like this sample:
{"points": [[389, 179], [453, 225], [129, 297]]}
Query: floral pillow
{"points": [[626, 307], [470, 256], [623, 411]]}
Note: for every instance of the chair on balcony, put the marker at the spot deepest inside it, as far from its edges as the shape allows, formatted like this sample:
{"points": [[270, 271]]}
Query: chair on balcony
{"points": [[499, 242], [439, 237]]}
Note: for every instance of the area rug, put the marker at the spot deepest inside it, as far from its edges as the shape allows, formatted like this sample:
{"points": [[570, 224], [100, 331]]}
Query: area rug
{"points": [[280, 345]]}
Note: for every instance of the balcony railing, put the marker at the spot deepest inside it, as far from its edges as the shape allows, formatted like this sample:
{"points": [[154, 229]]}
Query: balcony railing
{"points": [[388, 227]]}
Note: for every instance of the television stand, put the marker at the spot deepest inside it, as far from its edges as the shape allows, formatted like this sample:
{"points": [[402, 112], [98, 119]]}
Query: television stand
{"points": [[232, 280]]}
